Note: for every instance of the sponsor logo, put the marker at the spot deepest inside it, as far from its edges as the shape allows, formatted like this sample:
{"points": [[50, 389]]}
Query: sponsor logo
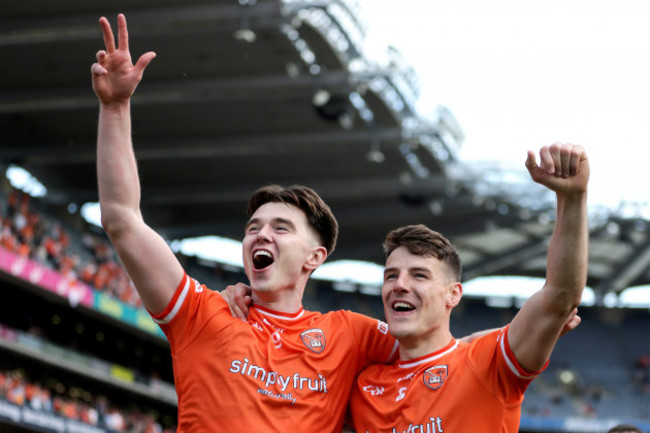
{"points": [[383, 327], [374, 389], [434, 377], [432, 425], [279, 395], [272, 378], [314, 340]]}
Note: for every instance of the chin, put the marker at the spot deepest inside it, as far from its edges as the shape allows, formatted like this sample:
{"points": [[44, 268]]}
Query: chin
{"points": [[398, 331], [260, 284]]}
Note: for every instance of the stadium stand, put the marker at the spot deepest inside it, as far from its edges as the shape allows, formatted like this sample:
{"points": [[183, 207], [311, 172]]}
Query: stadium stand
{"points": [[64, 365], [78, 353]]}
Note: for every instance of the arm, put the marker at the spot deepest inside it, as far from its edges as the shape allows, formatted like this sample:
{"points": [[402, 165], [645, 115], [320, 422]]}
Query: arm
{"points": [[150, 263], [535, 329], [572, 322]]}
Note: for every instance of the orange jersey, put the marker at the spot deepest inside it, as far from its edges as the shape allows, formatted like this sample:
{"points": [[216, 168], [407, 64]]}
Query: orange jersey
{"points": [[278, 372], [476, 387]]}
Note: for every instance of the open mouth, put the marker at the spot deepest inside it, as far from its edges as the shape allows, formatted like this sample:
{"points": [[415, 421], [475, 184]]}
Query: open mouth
{"points": [[402, 306], [262, 259]]}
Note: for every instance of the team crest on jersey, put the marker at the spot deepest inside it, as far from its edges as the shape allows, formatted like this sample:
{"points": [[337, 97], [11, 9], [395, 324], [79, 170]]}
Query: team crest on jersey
{"points": [[314, 340], [434, 377]]}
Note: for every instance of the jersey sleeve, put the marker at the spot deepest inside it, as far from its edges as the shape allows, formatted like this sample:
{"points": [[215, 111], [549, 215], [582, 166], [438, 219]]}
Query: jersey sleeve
{"points": [[376, 345], [494, 363], [192, 305]]}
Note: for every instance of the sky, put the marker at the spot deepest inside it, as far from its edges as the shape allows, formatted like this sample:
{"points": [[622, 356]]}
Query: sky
{"points": [[519, 74]]}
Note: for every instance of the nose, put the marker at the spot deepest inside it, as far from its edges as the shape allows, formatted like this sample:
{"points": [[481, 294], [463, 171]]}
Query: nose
{"points": [[264, 235], [401, 283]]}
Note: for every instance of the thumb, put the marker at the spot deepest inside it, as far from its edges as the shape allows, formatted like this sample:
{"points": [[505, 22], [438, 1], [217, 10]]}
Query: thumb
{"points": [[144, 61], [97, 69], [531, 163]]}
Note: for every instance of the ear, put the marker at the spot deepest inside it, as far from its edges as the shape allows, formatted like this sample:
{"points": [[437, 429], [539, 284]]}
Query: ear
{"points": [[455, 293], [316, 258]]}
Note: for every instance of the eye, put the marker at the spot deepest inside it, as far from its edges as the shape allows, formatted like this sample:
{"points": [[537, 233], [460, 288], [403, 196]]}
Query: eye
{"points": [[282, 228], [388, 277], [252, 229]]}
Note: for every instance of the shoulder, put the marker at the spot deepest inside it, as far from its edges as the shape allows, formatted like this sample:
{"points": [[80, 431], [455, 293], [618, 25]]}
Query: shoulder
{"points": [[482, 338], [190, 295], [373, 372], [203, 293], [355, 320], [348, 315]]}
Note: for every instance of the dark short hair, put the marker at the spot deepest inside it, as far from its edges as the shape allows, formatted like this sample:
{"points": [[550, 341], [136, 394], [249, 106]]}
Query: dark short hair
{"points": [[422, 241], [624, 428], [319, 215]]}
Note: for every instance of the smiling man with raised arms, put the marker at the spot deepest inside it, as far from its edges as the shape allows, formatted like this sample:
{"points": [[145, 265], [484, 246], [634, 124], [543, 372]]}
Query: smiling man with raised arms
{"points": [[440, 384]]}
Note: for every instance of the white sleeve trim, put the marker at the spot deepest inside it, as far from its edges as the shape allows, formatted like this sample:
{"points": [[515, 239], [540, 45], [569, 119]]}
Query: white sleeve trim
{"points": [[177, 306], [510, 363], [392, 352]]}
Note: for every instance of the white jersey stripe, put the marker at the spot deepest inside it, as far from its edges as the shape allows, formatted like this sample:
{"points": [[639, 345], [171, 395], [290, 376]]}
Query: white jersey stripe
{"points": [[278, 316], [511, 364], [177, 305], [431, 358], [392, 352]]}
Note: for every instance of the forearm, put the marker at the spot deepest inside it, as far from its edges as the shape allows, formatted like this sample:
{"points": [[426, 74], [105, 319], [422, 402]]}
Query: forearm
{"points": [[150, 263], [117, 173], [139, 247], [564, 168], [566, 274]]}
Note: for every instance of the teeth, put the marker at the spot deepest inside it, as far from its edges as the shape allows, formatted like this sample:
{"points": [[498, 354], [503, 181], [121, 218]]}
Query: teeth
{"points": [[262, 253], [262, 259], [402, 305]]}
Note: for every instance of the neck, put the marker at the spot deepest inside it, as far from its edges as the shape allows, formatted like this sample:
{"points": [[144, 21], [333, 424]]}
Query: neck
{"points": [[411, 348], [284, 301]]}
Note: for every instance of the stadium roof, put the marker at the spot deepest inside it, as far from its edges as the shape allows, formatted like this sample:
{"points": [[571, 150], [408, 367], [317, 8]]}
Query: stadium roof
{"points": [[247, 93]]}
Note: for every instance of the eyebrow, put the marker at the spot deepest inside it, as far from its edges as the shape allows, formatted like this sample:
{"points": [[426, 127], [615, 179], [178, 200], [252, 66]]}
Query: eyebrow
{"points": [[274, 221], [417, 269]]}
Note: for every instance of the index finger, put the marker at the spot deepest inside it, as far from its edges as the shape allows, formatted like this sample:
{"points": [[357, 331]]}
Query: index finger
{"points": [[122, 33], [109, 40], [547, 162]]}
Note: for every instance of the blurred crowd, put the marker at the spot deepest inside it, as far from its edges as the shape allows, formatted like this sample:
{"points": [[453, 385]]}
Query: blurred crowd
{"points": [[561, 391], [74, 404], [31, 234]]}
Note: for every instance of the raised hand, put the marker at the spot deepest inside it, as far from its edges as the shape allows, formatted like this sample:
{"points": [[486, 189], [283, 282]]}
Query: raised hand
{"points": [[563, 168], [114, 76]]}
